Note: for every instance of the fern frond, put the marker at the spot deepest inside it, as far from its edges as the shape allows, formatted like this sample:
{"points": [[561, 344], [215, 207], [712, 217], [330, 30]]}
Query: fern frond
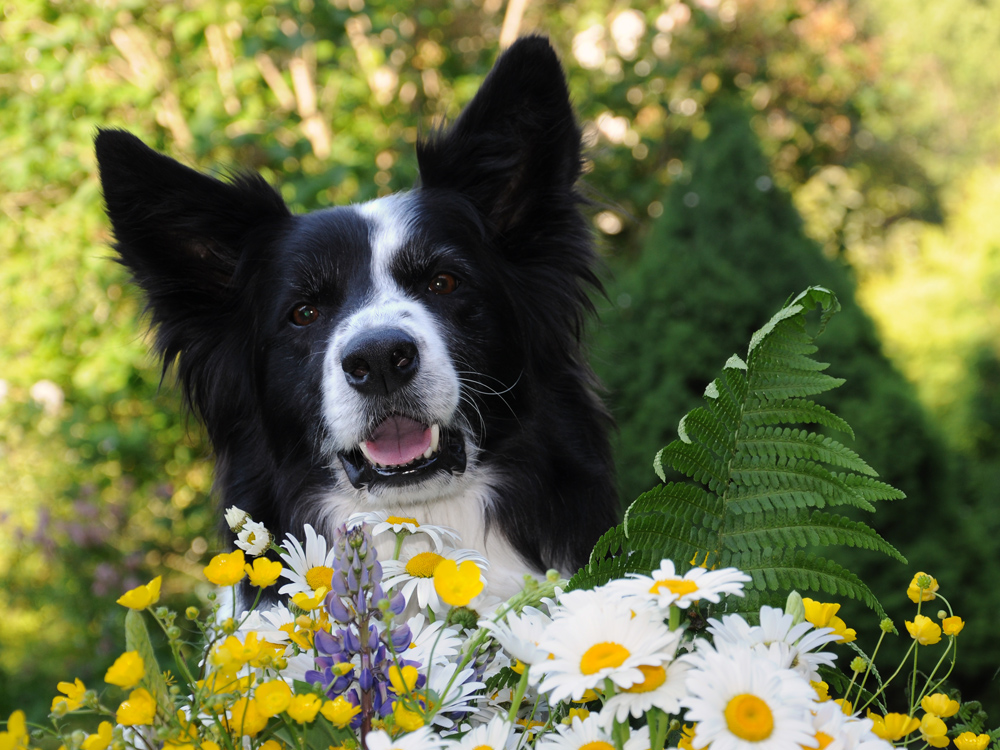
{"points": [[779, 385], [801, 444], [870, 489], [801, 528], [760, 413], [759, 486], [784, 570], [790, 474], [598, 572]]}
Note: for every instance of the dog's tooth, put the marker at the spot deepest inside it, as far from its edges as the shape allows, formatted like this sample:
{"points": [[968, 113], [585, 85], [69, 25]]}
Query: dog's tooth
{"points": [[435, 437], [428, 453]]}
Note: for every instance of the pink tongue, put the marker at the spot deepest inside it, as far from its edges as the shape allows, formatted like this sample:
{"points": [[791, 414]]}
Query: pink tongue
{"points": [[398, 440]]}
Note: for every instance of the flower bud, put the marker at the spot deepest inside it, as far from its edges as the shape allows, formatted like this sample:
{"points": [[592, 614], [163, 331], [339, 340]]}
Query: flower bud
{"points": [[173, 632], [77, 737], [161, 613], [236, 518], [795, 607], [229, 626], [552, 575], [191, 613], [942, 614], [858, 664], [464, 618], [886, 626]]}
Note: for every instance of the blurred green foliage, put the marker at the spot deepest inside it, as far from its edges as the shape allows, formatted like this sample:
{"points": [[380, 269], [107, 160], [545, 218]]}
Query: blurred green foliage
{"points": [[870, 115]]}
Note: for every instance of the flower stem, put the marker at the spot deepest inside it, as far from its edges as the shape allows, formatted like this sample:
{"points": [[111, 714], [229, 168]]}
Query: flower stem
{"points": [[522, 685]]}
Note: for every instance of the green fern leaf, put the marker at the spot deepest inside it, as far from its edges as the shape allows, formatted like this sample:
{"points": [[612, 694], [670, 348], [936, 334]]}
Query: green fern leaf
{"points": [[760, 413], [801, 444], [781, 570], [759, 487], [870, 489], [790, 474], [800, 528]]}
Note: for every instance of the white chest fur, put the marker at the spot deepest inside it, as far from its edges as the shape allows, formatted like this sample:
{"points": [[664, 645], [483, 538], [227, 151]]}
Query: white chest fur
{"points": [[463, 511]]}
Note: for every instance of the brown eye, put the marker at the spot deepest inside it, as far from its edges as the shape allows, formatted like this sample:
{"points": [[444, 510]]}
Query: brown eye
{"points": [[303, 315], [443, 283]]}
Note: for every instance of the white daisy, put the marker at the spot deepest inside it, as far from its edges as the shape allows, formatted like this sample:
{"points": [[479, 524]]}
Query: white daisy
{"points": [[743, 701], [663, 687], [267, 624], [519, 634], [581, 733], [254, 538], [595, 636], [775, 626], [836, 731], [664, 587], [498, 734], [454, 694], [381, 521], [639, 739], [421, 739], [308, 568], [415, 576], [431, 640]]}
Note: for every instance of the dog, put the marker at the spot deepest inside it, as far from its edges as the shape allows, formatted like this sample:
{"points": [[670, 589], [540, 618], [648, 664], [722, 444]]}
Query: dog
{"points": [[419, 353]]}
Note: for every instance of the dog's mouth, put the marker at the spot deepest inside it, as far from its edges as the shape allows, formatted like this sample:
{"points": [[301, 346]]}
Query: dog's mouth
{"points": [[403, 451]]}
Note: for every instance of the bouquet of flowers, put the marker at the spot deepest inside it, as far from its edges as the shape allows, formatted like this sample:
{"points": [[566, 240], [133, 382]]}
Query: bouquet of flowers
{"points": [[411, 652]]}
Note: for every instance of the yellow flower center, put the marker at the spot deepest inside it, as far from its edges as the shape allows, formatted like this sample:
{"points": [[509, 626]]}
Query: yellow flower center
{"points": [[603, 656], [483, 747], [823, 739], [401, 519], [423, 565], [653, 677], [674, 586], [597, 745], [749, 718], [320, 577]]}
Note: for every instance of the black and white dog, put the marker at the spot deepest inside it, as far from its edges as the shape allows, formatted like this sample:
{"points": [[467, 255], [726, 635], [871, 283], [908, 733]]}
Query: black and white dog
{"points": [[419, 353]]}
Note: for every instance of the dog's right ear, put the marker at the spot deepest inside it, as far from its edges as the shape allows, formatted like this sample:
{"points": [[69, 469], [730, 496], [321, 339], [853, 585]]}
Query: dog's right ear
{"points": [[181, 233]]}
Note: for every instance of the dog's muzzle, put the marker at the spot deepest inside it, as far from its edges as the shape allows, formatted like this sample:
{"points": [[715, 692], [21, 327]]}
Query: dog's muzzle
{"points": [[401, 449]]}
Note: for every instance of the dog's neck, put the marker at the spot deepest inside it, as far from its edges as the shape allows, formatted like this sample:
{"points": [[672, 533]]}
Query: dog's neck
{"points": [[465, 512]]}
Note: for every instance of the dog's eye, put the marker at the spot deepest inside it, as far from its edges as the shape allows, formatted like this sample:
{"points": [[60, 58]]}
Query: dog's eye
{"points": [[443, 283], [303, 315]]}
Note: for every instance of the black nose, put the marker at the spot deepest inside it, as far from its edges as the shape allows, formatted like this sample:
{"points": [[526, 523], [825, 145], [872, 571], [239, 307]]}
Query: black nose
{"points": [[380, 361]]}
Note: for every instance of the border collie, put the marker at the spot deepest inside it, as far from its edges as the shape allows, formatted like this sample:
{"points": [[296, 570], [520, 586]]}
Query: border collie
{"points": [[419, 353]]}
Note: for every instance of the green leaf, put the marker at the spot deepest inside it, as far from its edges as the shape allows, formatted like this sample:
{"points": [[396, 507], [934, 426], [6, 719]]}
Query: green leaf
{"points": [[137, 639], [759, 488]]}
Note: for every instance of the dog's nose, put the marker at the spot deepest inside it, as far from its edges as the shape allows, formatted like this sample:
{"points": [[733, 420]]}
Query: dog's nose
{"points": [[380, 361]]}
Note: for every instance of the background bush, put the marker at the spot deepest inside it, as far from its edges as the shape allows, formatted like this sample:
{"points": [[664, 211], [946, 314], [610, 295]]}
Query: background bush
{"points": [[876, 121]]}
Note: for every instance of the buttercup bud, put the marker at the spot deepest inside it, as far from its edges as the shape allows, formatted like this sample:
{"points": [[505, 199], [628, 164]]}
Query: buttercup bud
{"points": [[795, 607], [191, 613]]}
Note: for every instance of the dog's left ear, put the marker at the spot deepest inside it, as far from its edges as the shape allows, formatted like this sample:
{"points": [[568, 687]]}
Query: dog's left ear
{"points": [[516, 142]]}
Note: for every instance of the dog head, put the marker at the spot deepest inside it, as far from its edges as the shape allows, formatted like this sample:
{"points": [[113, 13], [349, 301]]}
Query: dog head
{"points": [[386, 349]]}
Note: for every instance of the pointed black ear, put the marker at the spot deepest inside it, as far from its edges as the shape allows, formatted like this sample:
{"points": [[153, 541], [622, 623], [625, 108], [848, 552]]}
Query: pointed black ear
{"points": [[173, 224], [515, 143], [182, 234]]}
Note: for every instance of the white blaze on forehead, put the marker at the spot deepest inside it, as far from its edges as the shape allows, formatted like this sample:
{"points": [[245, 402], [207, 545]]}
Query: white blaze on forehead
{"points": [[435, 387], [393, 220]]}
